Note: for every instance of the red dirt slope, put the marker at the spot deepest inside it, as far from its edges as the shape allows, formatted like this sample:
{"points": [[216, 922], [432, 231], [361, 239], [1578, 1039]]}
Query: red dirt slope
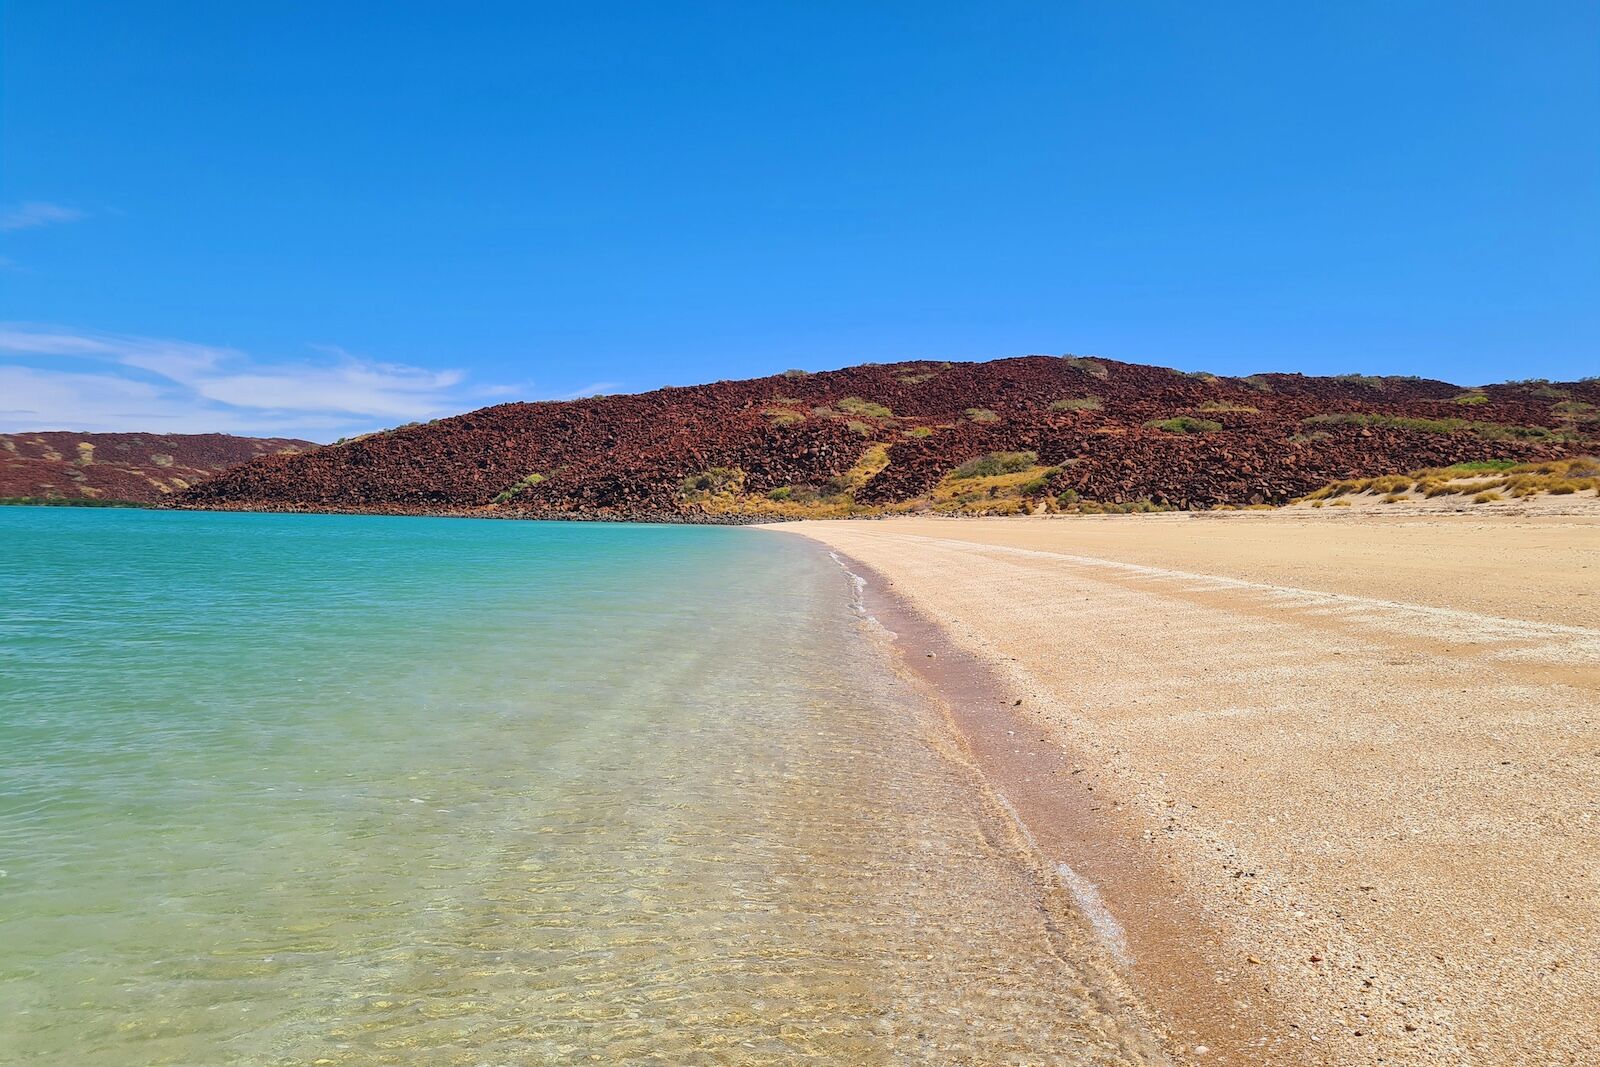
{"points": [[143, 467], [1267, 438]]}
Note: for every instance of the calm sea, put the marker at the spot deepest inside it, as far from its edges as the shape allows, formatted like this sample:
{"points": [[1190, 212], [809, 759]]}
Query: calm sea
{"points": [[345, 790]]}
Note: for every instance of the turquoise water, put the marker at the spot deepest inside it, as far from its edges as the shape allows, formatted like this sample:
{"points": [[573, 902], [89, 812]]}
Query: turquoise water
{"points": [[351, 790]]}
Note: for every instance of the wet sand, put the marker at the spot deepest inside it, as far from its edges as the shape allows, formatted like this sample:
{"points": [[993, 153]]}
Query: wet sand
{"points": [[1327, 782]]}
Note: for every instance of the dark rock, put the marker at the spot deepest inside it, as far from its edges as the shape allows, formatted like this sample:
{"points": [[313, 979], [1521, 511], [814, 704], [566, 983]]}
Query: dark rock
{"points": [[625, 457]]}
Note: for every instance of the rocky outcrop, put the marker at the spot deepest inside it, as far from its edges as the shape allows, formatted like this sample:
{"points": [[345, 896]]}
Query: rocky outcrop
{"points": [[140, 467], [1107, 431]]}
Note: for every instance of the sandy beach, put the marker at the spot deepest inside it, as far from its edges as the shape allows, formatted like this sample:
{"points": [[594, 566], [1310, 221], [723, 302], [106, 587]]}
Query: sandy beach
{"points": [[1325, 781]]}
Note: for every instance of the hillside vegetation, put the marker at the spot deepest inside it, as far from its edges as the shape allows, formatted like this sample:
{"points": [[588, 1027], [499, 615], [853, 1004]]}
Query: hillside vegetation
{"points": [[1482, 482], [1036, 433], [130, 467]]}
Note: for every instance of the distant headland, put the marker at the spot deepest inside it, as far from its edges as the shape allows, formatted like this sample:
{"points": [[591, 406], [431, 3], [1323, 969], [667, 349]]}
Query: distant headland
{"points": [[1023, 435]]}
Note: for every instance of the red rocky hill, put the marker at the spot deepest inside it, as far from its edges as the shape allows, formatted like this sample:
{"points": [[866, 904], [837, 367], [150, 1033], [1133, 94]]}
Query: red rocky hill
{"points": [[143, 467], [886, 437]]}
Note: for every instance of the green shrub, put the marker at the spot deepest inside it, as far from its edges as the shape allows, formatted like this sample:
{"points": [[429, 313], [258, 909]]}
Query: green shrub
{"points": [[1142, 506], [1576, 411], [996, 463], [982, 415], [712, 480], [920, 431], [860, 427], [836, 486], [927, 373], [796, 494], [522, 485], [1076, 403], [1489, 431], [1542, 387], [855, 405], [1088, 365], [1471, 399], [1184, 424]]}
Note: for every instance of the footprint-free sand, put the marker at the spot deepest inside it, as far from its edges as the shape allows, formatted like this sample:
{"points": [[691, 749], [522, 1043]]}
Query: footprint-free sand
{"points": [[1330, 779]]}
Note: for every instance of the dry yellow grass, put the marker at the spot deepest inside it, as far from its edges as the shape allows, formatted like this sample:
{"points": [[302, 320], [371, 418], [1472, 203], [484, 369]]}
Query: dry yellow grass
{"points": [[784, 417], [1556, 477], [723, 492]]}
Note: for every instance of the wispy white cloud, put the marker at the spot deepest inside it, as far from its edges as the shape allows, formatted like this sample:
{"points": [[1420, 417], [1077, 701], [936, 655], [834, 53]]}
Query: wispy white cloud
{"points": [[32, 214], [57, 378]]}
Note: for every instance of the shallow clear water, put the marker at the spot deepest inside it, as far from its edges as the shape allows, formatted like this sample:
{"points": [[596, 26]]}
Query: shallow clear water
{"points": [[314, 789]]}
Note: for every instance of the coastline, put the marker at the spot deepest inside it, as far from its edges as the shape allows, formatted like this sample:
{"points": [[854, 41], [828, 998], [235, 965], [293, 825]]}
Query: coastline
{"points": [[1289, 810], [1117, 896], [657, 800]]}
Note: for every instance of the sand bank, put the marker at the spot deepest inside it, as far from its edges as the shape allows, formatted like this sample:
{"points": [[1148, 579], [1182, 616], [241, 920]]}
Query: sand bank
{"points": [[1334, 779]]}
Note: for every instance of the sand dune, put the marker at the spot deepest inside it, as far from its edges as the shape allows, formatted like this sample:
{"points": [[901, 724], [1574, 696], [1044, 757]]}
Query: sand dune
{"points": [[1334, 776]]}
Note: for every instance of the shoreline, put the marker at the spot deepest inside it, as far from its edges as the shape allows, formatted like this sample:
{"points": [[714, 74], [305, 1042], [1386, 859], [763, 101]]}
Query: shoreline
{"points": [[1227, 801], [1146, 937], [1544, 505], [947, 685], [657, 799]]}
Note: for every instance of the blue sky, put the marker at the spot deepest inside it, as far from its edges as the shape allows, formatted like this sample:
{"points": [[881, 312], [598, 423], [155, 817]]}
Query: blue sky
{"points": [[320, 218]]}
